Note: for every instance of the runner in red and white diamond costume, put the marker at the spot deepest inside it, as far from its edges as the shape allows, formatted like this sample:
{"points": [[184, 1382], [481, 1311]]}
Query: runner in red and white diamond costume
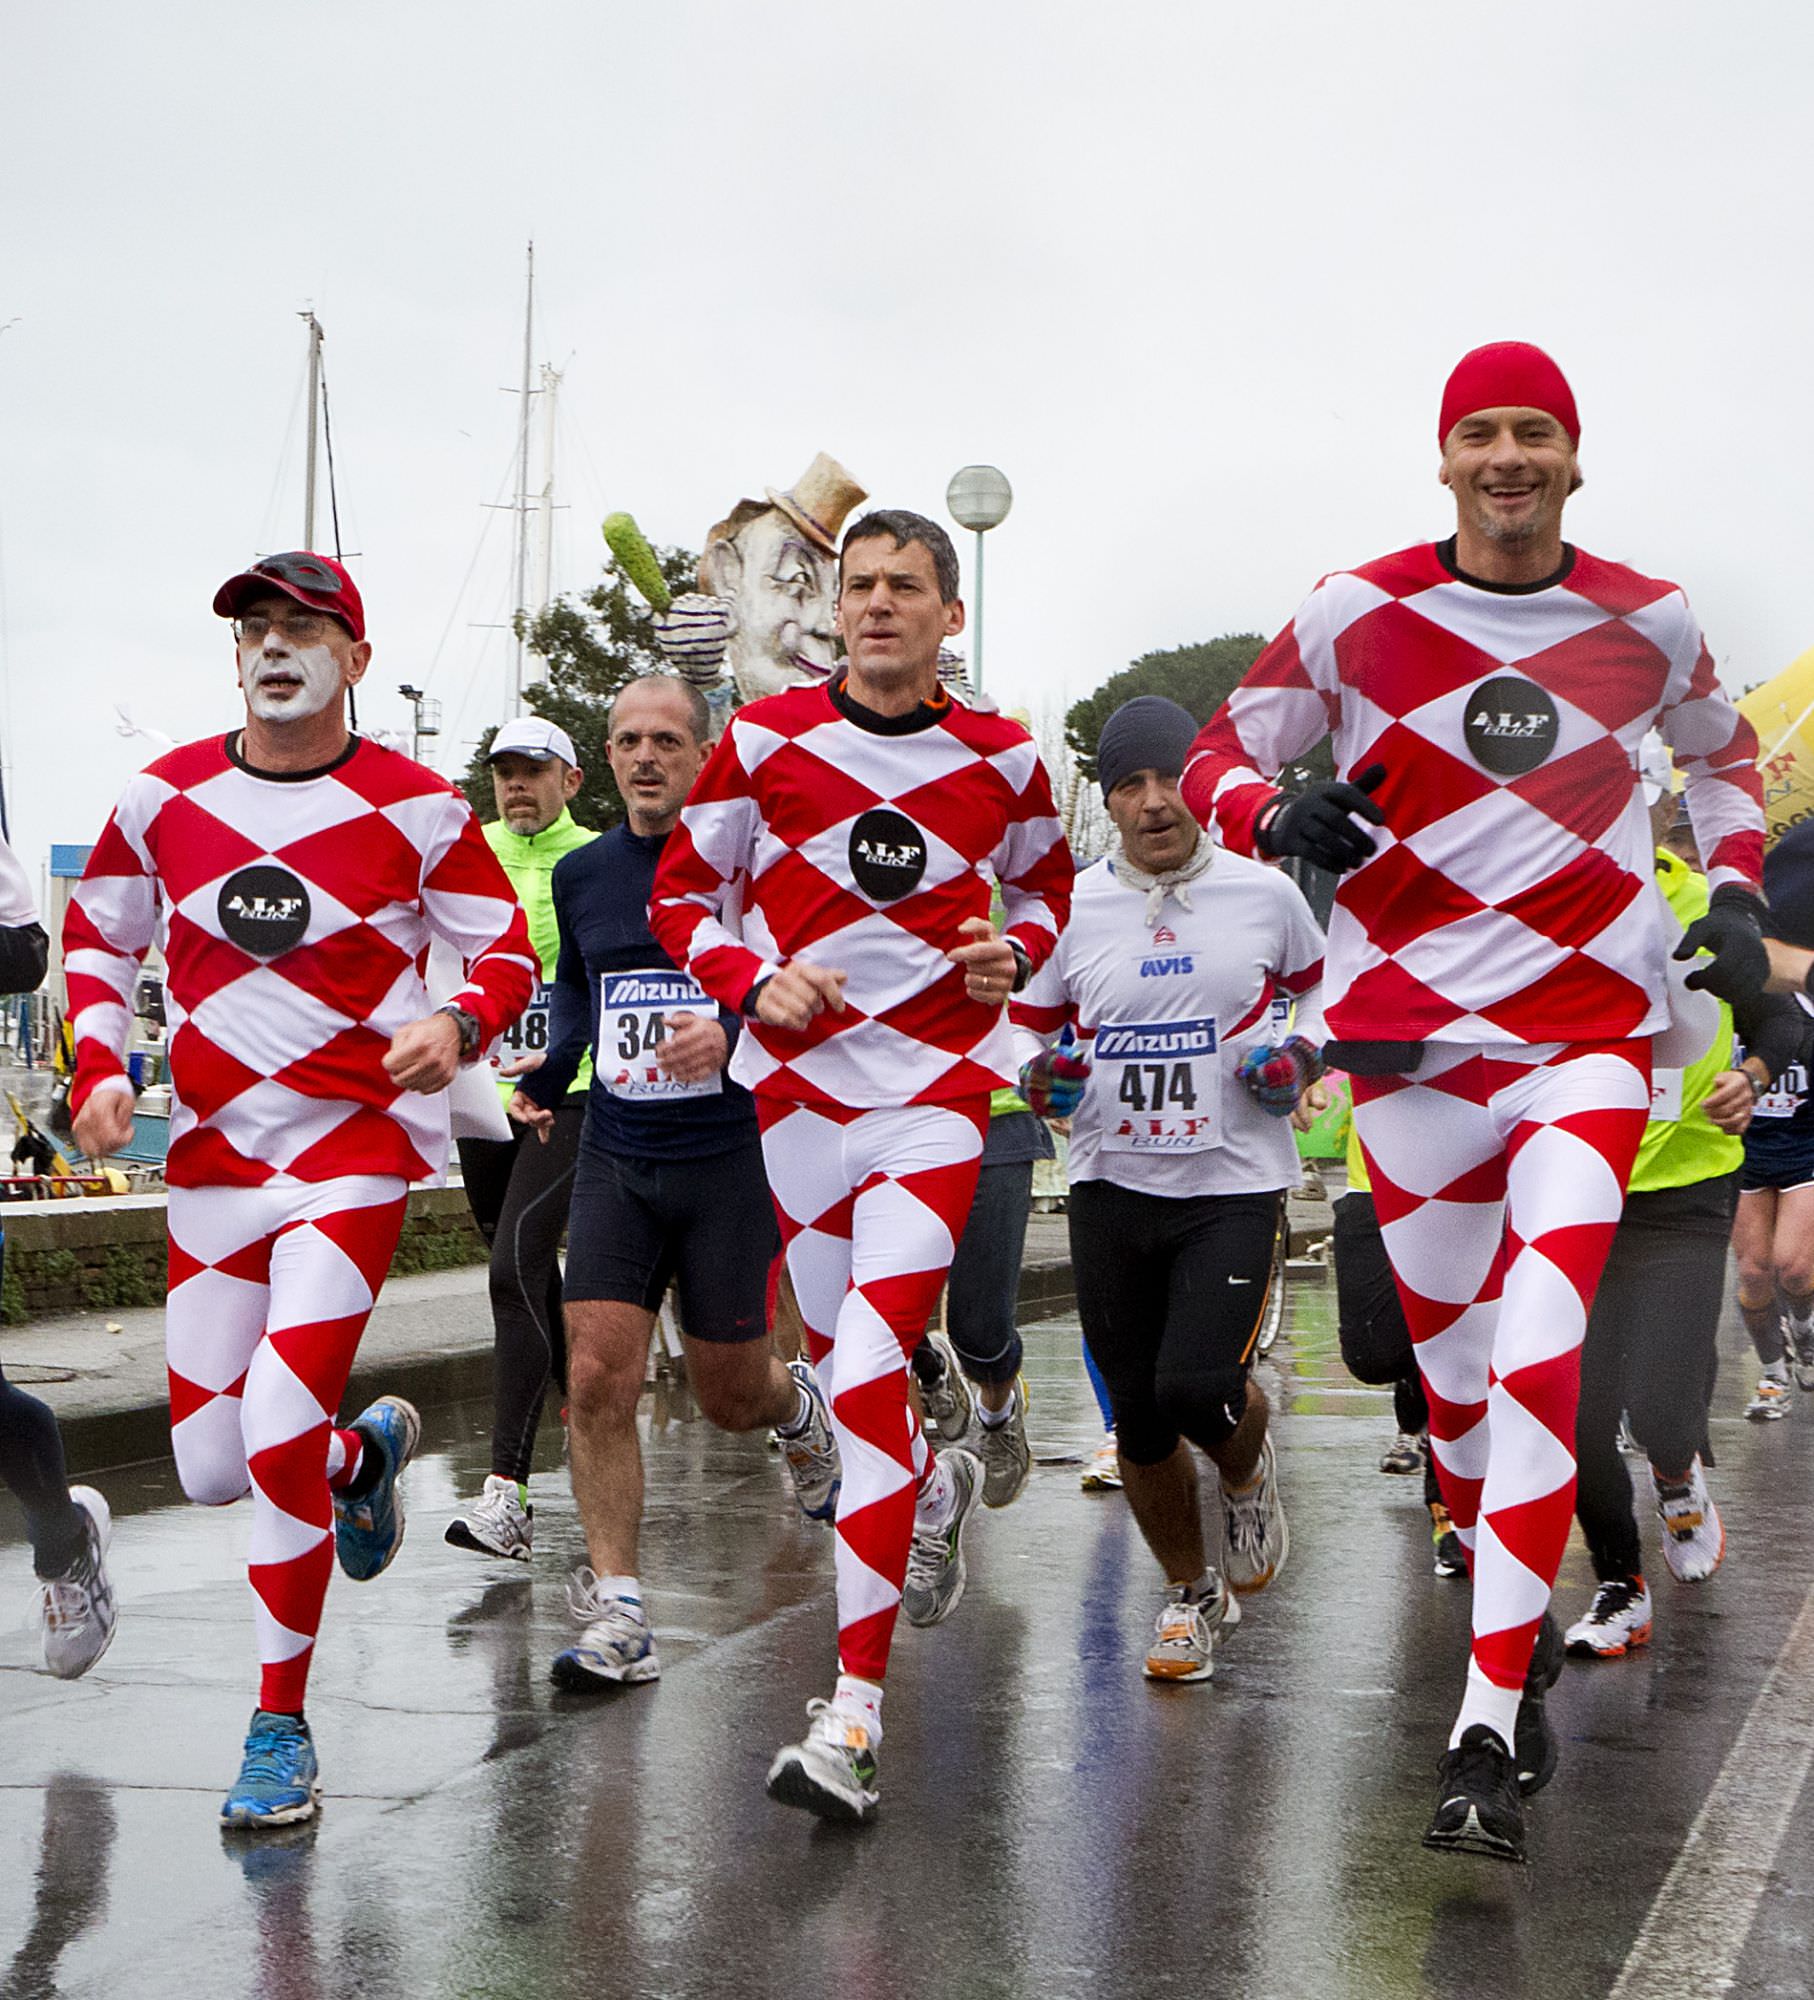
{"points": [[1496, 967], [293, 875], [831, 878]]}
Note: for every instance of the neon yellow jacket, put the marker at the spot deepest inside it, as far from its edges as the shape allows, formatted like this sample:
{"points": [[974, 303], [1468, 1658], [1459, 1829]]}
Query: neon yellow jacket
{"points": [[528, 859]]}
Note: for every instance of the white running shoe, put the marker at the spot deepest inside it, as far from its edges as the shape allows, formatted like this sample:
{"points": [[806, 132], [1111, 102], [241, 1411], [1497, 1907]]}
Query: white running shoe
{"points": [[1258, 1539], [832, 1773], [497, 1523], [935, 1561], [1770, 1399], [1003, 1448], [617, 1646], [1618, 1620], [1694, 1542], [947, 1404], [77, 1609], [1102, 1469], [812, 1458], [1186, 1631]]}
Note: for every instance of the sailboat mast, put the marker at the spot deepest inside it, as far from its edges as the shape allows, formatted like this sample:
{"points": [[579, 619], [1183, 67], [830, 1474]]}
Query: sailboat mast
{"points": [[544, 588], [522, 491], [308, 486]]}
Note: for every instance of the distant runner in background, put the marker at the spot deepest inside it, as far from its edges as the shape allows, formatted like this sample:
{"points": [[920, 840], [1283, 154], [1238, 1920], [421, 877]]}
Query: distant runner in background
{"points": [[69, 1526], [518, 1188]]}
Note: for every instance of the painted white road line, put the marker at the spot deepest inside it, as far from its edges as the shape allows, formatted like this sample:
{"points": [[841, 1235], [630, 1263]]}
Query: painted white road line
{"points": [[1694, 1935]]}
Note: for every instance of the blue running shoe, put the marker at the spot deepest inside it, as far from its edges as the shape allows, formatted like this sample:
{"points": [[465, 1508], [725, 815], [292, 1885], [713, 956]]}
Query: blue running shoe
{"points": [[279, 1783], [368, 1531]]}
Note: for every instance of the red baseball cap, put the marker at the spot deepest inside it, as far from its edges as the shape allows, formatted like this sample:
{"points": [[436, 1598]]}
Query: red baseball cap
{"points": [[1507, 375], [317, 581]]}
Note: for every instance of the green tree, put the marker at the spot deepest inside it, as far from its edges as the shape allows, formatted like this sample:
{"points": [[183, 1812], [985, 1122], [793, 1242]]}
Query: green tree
{"points": [[590, 646], [1198, 678]]}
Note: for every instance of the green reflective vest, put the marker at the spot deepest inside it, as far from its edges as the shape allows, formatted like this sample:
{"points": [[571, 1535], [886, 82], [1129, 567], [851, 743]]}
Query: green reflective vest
{"points": [[528, 859]]}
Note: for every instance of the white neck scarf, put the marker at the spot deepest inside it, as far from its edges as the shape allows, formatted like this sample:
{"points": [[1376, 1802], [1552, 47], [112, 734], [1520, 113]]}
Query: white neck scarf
{"points": [[1175, 881]]}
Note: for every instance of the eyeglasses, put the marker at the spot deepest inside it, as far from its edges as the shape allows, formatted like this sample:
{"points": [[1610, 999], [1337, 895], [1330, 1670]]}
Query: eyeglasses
{"points": [[305, 571], [300, 625]]}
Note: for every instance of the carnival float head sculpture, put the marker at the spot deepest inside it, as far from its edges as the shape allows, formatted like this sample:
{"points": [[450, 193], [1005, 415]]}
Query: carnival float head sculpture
{"points": [[768, 589], [775, 563]]}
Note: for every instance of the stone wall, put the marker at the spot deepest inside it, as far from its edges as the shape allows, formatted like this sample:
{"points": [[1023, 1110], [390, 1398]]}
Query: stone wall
{"points": [[107, 1252]]}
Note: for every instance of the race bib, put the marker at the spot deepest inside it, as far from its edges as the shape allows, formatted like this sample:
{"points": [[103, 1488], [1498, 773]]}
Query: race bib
{"points": [[1665, 1096], [1158, 1086], [632, 1025], [528, 1033], [1783, 1098]]}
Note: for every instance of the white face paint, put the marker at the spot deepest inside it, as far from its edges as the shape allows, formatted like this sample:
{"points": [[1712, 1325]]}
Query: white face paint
{"points": [[288, 685]]}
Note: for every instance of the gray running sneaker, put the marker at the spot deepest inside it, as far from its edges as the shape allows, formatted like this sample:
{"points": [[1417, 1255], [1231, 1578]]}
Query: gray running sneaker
{"points": [[1769, 1402], [1187, 1629], [1003, 1448], [617, 1647], [77, 1609], [812, 1457], [832, 1773], [497, 1523], [1258, 1539], [935, 1562], [946, 1403]]}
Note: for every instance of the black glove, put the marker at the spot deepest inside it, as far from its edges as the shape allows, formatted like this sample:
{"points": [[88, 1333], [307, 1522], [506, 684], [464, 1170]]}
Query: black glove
{"points": [[1773, 1029], [1315, 822], [1733, 931]]}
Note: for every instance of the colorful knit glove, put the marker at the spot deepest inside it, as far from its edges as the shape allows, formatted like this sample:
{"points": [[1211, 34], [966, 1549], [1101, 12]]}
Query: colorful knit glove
{"points": [[1052, 1083], [1277, 1076]]}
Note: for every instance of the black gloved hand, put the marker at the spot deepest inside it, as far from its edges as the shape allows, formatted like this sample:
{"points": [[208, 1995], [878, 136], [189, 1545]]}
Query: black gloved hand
{"points": [[1733, 931], [1316, 824]]}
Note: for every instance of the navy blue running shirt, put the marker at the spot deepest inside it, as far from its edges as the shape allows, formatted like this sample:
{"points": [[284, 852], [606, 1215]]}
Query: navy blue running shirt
{"points": [[613, 985]]}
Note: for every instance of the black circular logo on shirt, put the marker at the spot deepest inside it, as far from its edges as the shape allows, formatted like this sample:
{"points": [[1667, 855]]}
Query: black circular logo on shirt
{"points": [[1511, 725], [264, 909], [887, 854]]}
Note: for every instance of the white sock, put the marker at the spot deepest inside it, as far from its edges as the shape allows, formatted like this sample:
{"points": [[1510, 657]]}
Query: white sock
{"points": [[937, 1498], [1202, 1590], [992, 1420], [620, 1586], [860, 1701], [1486, 1701]]}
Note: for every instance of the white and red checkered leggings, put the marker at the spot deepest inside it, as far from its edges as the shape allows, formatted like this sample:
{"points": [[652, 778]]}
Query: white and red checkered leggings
{"points": [[270, 1290], [1498, 1177], [871, 1206]]}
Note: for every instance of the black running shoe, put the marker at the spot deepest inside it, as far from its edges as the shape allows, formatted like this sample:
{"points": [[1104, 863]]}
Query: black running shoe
{"points": [[1533, 1735], [1477, 1806]]}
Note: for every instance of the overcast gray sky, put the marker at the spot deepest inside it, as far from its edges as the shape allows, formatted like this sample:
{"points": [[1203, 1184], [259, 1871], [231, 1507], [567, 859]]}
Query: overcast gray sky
{"points": [[1191, 274]]}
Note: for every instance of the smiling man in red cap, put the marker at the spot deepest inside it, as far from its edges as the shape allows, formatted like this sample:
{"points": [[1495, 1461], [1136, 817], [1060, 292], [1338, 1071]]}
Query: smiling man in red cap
{"points": [[294, 874], [1496, 966]]}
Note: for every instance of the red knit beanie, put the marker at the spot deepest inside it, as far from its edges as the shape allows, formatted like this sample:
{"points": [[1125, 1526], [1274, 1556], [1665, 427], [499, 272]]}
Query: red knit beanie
{"points": [[1508, 374]]}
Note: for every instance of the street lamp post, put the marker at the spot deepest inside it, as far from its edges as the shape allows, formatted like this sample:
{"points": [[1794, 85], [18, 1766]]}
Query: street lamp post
{"points": [[979, 497]]}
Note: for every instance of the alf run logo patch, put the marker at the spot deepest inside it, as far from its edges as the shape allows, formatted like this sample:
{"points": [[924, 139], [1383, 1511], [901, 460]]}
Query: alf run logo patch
{"points": [[887, 854], [1511, 725], [264, 909]]}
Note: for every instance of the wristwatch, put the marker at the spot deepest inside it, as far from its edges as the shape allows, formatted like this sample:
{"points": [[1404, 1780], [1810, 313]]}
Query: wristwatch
{"points": [[1023, 965], [468, 1025]]}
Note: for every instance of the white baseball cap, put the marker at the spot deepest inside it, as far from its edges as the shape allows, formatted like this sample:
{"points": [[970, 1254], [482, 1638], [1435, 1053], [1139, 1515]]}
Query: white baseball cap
{"points": [[530, 736]]}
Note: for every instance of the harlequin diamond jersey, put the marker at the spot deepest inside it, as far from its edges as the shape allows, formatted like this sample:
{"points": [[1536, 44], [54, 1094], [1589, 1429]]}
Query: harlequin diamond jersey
{"points": [[862, 843], [1510, 899], [294, 911]]}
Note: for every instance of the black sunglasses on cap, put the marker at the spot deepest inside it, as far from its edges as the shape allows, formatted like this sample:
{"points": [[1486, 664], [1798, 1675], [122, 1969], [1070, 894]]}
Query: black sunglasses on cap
{"points": [[305, 571]]}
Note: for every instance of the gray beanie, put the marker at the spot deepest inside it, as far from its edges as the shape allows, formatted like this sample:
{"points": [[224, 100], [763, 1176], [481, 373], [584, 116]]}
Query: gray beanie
{"points": [[1148, 733]]}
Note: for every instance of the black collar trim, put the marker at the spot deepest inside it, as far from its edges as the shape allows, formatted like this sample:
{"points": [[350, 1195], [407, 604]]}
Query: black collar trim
{"points": [[926, 716], [235, 756], [1445, 554]]}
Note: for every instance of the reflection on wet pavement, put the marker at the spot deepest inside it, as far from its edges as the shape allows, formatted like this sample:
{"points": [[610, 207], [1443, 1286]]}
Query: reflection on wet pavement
{"points": [[1052, 1825]]}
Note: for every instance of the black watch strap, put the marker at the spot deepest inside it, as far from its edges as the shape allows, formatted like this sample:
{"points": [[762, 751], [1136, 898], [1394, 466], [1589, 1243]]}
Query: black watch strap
{"points": [[468, 1025], [1023, 965]]}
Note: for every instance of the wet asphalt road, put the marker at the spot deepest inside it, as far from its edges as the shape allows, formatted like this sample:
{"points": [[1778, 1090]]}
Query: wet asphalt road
{"points": [[1052, 1825]]}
